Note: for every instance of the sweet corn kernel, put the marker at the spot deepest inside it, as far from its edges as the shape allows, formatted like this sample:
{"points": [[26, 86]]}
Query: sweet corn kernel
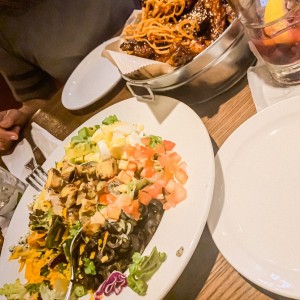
{"points": [[92, 255], [104, 258]]}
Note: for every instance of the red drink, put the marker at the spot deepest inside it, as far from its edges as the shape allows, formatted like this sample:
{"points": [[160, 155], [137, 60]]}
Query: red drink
{"points": [[278, 43], [278, 53]]}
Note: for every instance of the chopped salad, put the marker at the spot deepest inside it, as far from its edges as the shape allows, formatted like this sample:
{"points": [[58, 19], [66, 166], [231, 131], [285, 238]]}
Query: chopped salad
{"points": [[113, 185]]}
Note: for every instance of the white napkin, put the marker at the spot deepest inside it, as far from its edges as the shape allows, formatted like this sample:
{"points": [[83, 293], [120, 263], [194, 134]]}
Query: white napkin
{"points": [[43, 139], [16, 161], [265, 91]]}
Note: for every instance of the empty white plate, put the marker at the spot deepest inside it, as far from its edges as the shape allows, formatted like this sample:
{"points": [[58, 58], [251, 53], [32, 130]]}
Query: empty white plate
{"points": [[93, 78], [255, 214]]}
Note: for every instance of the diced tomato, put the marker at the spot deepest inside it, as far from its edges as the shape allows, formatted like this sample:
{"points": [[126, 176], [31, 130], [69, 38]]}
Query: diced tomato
{"points": [[148, 152], [163, 158], [137, 153], [148, 170], [162, 181], [132, 166], [106, 199], [168, 162], [174, 156], [113, 212], [168, 205], [168, 145], [181, 176], [130, 150], [183, 165], [144, 197], [133, 209], [160, 148], [170, 186], [179, 194], [153, 190], [122, 201], [145, 141]]}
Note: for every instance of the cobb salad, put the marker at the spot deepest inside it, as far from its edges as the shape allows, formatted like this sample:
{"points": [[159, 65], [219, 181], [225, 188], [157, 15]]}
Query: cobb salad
{"points": [[113, 184]]}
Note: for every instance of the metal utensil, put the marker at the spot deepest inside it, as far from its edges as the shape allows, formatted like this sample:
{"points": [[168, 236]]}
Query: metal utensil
{"points": [[38, 176], [73, 246]]}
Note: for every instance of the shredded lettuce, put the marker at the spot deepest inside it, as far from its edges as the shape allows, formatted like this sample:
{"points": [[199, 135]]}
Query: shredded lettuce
{"points": [[143, 268], [154, 140], [33, 288], [137, 285], [48, 294], [74, 229], [67, 244], [14, 290]]}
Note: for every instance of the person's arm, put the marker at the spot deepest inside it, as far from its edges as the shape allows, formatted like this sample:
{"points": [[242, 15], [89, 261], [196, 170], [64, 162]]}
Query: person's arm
{"points": [[28, 84]]}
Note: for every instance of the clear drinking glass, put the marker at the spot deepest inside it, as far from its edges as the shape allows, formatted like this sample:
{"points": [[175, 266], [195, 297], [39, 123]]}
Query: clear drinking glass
{"points": [[11, 190], [273, 26]]}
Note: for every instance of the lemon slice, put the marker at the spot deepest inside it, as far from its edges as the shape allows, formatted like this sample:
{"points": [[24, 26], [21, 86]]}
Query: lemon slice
{"points": [[275, 9]]}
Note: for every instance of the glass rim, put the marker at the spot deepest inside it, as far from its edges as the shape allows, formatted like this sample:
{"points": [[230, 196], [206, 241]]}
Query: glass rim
{"points": [[256, 25]]}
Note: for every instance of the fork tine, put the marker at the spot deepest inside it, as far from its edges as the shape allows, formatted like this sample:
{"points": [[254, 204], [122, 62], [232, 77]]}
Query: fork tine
{"points": [[37, 178], [40, 171], [33, 183], [31, 164]]}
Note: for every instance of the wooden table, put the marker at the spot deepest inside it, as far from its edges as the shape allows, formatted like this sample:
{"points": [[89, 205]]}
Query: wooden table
{"points": [[208, 275]]}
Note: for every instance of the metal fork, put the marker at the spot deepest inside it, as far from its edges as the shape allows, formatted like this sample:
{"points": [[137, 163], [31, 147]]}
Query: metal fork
{"points": [[38, 176]]}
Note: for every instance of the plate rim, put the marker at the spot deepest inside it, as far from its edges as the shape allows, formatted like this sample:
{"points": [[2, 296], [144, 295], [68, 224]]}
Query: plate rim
{"points": [[213, 220]]}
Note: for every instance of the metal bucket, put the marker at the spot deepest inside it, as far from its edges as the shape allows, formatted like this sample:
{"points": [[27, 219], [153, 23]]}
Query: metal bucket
{"points": [[213, 71]]}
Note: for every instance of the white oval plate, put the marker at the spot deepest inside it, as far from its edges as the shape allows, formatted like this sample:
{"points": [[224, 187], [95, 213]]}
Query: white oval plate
{"points": [[255, 212], [93, 78], [181, 226]]}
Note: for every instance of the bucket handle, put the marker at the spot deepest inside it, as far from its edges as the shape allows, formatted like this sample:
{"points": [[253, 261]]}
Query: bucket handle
{"points": [[148, 97]]}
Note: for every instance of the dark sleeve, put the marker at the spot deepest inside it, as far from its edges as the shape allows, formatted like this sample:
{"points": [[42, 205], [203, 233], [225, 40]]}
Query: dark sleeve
{"points": [[25, 80], [51, 38]]}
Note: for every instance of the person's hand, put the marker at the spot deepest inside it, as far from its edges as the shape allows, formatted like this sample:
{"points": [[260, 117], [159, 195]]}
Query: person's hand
{"points": [[11, 122]]}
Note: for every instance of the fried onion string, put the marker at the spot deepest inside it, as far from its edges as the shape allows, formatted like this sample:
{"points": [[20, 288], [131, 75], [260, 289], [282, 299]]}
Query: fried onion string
{"points": [[160, 26]]}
